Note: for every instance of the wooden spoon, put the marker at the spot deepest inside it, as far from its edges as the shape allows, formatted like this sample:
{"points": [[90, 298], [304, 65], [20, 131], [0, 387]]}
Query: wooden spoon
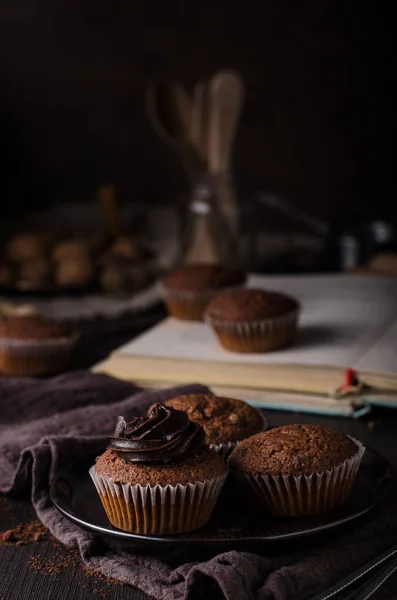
{"points": [[169, 110], [225, 99], [110, 210], [226, 94], [199, 120]]}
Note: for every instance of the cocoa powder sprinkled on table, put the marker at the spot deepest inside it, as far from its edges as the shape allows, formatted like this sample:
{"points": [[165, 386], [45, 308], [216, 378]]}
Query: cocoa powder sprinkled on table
{"points": [[67, 558], [373, 424], [23, 534], [64, 558], [56, 564]]}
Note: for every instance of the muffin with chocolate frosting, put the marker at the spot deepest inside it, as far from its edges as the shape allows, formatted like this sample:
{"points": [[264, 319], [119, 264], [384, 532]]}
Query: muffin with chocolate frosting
{"points": [[225, 421], [298, 470], [31, 345], [253, 320], [157, 476], [188, 289]]}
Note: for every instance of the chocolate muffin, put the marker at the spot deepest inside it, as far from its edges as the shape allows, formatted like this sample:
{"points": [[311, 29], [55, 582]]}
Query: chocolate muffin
{"points": [[157, 476], [188, 290], [74, 272], [298, 470], [35, 272], [253, 320], [71, 250], [127, 248], [27, 247], [225, 421], [31, 345]]}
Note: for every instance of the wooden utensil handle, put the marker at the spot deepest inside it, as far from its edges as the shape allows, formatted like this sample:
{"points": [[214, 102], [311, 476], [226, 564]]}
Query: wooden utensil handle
{"points": [[226, 92], [108, 201]]}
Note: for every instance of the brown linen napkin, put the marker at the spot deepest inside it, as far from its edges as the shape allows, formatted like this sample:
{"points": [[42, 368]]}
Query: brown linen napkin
{"points": [[46, 424]]}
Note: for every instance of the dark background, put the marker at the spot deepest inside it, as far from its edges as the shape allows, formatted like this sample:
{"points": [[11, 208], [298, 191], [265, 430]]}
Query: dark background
{"points": [[317, 124]]}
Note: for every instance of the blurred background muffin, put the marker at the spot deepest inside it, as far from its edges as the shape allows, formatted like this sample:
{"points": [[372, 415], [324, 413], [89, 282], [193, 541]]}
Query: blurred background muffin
{"points": [[31, 345], [126, 247], [188, 289], [251, 320], [71, 250], [27, 247], [90, 261], [35, 272], [74, 272]]}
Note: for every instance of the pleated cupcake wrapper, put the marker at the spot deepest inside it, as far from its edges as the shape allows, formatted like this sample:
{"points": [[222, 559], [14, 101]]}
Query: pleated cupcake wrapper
{"points": [[189, 295], [305, 495], [224, 449], [29, 356], [41, 345], [158, 510], [247, 329]]}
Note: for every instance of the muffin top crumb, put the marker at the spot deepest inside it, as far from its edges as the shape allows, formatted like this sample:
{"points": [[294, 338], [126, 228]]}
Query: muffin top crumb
{"points": [[201, 277], [207, 464], [223, 419], [249, 305], [32, 327], [292, 450]]}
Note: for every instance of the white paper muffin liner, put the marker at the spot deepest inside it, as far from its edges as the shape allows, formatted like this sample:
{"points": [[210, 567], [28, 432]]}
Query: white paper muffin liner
{"points": [[191, 294], [158, 510], [226, 448], [187, 295], [305, 495], [36, 357], [263, 327]]}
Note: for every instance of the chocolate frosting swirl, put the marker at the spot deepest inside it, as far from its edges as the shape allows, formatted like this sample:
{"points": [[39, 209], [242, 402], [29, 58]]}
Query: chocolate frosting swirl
{"points": [[166, 434]]}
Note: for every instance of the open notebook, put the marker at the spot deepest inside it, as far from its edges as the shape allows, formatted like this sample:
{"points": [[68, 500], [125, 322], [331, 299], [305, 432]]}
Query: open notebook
{"points": [[347, 322]]}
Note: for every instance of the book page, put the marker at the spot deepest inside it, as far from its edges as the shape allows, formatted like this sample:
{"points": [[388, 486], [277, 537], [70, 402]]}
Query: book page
{"points": [[382, 355], [342, 317]]}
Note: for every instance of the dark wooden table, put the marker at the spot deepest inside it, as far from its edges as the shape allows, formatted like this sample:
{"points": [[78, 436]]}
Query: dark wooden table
{"points": [[46, 570]]}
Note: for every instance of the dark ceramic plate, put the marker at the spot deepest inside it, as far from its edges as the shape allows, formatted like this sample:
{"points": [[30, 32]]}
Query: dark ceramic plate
{"points": [[236, 517]]}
